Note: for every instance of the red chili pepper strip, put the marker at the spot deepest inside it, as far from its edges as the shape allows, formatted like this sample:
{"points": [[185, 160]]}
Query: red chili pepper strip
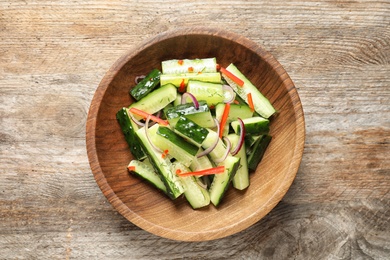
{"points": [[231, 76], [224, 119], [145, 115], [210, 171], [182, 87], [164, 154], [250, 101], [131, 168]]}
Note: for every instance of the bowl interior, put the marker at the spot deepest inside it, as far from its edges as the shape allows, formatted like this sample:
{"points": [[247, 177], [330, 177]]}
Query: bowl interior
{"points": [[149, 209]]}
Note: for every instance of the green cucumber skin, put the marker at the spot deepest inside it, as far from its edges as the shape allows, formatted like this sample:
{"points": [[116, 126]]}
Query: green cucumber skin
{"points": [[185, 109], [260, 127], [146, 172], [250, 140], [262, 105], [145, 86], [176, 66], [221, 182], [124, 121], [161, 166], [156, 100], [257, 152], [191, 130], [202, 116], [177, 140]]}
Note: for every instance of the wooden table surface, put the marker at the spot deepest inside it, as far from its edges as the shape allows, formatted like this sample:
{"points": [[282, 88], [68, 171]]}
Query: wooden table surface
{"points": [[53, 55]]}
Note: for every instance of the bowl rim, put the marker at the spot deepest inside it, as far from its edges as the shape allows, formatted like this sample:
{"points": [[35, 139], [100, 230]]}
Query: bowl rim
{"points": [[116, 202]]}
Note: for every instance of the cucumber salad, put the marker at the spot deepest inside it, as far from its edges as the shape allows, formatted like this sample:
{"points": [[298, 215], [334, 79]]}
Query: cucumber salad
{"points": [[196, 129]]}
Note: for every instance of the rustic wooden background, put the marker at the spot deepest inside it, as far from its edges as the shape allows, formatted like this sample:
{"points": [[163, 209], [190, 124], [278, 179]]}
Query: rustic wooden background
{"points": [[53, 55]]}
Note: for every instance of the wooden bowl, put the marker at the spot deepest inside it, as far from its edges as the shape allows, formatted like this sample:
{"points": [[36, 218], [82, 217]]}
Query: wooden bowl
{"points": [[149, 209]]}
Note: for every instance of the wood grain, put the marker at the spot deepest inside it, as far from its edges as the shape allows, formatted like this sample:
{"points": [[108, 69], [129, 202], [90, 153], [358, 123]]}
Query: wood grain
{"points": [[53, 55]]}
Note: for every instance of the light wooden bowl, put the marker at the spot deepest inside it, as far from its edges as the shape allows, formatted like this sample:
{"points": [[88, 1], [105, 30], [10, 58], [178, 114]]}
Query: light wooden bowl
{"points": [[149, 209]]}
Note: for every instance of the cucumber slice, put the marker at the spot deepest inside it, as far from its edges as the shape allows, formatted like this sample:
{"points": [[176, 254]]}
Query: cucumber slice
{"points": [[236, 111], [201, 116], [253, 125], [189, 66], [241, 178], [195, 194], [156, 100], [145, 171], [201, 136], [129, 129], [220, 149], [211, 92], [261, 103], [257, 152], [161, 164], [222, 181], [188, 129], [177, 147], [201, 163], [145, 86], [182, 79], [177, 101], [250, 140]]}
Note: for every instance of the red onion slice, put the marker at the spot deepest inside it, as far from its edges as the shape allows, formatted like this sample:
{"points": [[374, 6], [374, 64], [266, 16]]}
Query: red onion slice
{"points": [[241, 139], [138, 79], [232, 95], [192, 97], [201, 184], [228, 146], [208, 150], [147, 135], [158, 114], [137, 122]]}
